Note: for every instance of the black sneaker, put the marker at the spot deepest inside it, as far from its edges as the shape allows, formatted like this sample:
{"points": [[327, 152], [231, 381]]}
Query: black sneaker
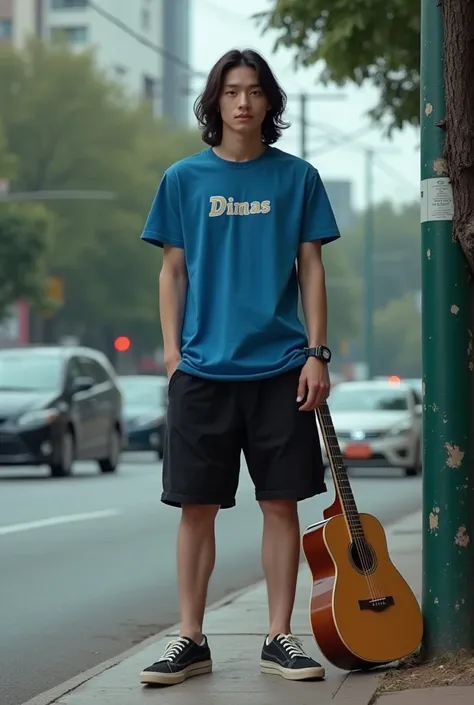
{"points": [[284, 656], [182, 659]]}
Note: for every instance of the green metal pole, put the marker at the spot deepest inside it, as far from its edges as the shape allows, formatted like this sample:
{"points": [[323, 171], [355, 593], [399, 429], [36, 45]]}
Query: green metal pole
{"points": [[368, 264], [448, 479]]}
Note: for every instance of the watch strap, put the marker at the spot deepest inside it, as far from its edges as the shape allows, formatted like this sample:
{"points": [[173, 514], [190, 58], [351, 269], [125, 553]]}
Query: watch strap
{"points": [[321, 352]]}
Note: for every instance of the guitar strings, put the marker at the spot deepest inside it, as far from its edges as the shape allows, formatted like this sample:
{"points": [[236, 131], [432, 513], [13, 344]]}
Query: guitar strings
{"points": [[347, 498], [359, 543]]}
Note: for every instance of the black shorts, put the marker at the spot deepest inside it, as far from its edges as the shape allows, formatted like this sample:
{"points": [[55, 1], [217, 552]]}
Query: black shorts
{"points": [[210, 423]]}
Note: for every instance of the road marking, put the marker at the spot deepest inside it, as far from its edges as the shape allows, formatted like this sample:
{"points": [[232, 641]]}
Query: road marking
{"points": [[55, 521]]}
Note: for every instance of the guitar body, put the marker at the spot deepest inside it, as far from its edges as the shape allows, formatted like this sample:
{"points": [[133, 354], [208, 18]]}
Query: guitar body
{"points": [[362, 612]]}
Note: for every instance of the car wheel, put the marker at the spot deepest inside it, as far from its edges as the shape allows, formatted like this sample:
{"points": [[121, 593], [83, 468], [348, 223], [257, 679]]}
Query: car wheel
{"points": [[415, 469], [64, 467], [110, 463]]}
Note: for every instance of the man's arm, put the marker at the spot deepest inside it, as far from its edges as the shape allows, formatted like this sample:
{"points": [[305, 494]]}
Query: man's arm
{"points": [[312, 283], [314, 379], [173, 288]]}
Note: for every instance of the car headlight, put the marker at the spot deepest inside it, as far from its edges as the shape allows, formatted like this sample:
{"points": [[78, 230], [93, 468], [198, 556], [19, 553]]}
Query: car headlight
{"points": [[38, 418], [401, 429]]}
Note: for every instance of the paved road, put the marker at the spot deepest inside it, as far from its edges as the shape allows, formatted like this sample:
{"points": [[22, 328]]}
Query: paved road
{"points": [[87, 564]]}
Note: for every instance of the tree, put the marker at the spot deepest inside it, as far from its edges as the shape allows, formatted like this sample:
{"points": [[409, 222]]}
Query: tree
{"points": [[344, 300], [458, 17], [358, 41], [398, 338], [377, 42], [7, 160], [397, 252], [25, 241], [72, 128]]}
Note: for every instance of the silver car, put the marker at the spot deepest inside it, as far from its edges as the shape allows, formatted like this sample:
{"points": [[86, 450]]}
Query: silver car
{"points": [[377, 423]]}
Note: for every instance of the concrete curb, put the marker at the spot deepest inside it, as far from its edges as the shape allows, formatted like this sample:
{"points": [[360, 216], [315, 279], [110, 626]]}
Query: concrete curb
{"points": [[357, 689], [59, 691]]}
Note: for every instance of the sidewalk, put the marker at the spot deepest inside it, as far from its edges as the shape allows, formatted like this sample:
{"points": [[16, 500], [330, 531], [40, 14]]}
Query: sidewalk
{"points": [[236, 630]]}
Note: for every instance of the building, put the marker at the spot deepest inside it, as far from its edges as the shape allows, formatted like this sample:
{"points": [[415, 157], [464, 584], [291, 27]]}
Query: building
{"points": [[142, 43], [176, 43]]}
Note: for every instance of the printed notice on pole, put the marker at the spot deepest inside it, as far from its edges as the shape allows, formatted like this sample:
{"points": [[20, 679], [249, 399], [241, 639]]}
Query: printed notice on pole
{"points": [[436, 200]]}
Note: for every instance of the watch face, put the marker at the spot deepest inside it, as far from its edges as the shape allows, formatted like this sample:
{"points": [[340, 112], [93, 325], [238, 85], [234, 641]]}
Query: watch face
{"points": [[326, 354]]}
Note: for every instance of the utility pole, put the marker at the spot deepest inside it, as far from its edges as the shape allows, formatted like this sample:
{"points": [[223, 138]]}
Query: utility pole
{"points": [[369, 263], [448, 479], [303, 99], [304, 123]]}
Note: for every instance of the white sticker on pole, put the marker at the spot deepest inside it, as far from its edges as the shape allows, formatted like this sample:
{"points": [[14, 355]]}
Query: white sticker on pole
{"points": [[436, 200]]}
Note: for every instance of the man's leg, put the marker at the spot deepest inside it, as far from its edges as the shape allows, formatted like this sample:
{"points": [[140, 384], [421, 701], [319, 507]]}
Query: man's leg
{"points": [[280, 559], [196, 557], [200, 474], [283, 453]]}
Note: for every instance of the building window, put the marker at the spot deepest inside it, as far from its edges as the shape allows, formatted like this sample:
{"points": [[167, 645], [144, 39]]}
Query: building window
{"points": [[74, 35], [146, 19], [149, 88], [68, 4], [6, 29]]}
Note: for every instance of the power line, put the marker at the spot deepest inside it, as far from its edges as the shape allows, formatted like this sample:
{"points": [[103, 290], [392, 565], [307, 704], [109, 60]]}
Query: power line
{"points": [[339, 138], [74, 195], [144, 41], [302, 97], [113, 19], [390, 171]]}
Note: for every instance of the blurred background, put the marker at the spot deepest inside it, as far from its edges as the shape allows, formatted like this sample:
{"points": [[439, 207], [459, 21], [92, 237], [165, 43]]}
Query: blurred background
{"points": [[96, 101]]}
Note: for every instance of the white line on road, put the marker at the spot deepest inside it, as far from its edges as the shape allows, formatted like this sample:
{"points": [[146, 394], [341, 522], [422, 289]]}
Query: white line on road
{"points": [[54, 521]]}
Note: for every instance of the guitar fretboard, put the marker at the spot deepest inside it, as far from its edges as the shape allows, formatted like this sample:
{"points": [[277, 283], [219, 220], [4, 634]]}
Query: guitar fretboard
{"points": [[339, 472]]}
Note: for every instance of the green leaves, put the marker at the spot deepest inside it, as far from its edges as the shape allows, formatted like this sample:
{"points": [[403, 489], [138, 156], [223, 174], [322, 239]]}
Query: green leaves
{"points": [[397, 276], [357, 41], [26, 237], [68, 127]]}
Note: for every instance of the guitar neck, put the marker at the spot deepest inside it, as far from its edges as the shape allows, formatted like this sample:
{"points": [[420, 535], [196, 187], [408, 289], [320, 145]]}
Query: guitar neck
{"points": [[339, 472]]}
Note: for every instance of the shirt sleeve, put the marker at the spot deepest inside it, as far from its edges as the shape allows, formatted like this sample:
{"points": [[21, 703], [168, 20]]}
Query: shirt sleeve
{"points": [[319, 222], [163, 224]]}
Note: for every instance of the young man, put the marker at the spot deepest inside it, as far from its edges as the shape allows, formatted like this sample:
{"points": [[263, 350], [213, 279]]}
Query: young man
{"points": [[243, 376]]}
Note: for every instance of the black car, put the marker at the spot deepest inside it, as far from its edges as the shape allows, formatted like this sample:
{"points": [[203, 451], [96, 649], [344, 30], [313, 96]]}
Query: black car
{"points": [[57, 405], [145, 399]]}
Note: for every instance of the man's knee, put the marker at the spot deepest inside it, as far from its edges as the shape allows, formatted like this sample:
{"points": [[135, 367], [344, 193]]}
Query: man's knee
{"points": [[199, 514], [279, 509]]}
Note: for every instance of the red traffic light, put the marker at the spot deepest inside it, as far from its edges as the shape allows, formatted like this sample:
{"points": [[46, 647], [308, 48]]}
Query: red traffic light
{"points": [[122, 343]]}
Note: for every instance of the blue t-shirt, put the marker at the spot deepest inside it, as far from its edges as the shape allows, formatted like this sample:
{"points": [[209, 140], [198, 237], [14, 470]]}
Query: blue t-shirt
{"points": [[240, 224]]}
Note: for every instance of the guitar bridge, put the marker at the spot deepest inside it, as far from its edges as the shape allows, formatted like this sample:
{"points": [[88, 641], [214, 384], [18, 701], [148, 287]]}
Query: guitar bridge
{"points": [[377, 604]]}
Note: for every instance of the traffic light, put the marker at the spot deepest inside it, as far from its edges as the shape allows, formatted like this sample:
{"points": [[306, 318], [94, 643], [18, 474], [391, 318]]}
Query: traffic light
{"points": [[122, 343]]}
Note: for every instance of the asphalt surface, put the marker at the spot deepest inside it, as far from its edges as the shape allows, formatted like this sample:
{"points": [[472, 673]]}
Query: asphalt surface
{"points": [[87, 564]]}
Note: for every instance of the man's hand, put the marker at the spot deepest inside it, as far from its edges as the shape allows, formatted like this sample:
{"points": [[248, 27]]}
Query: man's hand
{"points": [[314, 384], [171, 365]]}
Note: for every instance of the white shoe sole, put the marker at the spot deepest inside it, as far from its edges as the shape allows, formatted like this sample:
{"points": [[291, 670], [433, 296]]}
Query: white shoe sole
{"points": [[293, 674], [196, 669]]}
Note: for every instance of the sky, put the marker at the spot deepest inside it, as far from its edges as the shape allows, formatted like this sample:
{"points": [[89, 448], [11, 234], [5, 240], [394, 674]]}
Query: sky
{"points": [[220, 25]]}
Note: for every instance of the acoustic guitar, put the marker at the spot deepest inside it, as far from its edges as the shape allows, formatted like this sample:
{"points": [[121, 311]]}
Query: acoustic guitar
{"points": [[363, 613]]}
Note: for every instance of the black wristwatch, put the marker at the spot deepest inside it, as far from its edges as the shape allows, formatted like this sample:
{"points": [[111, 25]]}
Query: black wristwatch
{"points": [[321, 352]]}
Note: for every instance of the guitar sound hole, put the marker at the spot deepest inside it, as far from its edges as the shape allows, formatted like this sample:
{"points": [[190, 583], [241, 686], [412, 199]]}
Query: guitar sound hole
{"points": [[362, 557]]}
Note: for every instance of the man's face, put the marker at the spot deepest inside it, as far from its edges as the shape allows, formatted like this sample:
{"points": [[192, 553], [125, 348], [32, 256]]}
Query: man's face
{"points": [[242, 103]]}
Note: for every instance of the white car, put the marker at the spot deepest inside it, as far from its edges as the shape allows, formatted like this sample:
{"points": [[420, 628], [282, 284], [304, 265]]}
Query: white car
{"points": [[377, 423]]}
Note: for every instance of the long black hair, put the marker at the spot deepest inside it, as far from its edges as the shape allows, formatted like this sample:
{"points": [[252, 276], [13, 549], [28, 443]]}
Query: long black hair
{"points": [[206, 107]]}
